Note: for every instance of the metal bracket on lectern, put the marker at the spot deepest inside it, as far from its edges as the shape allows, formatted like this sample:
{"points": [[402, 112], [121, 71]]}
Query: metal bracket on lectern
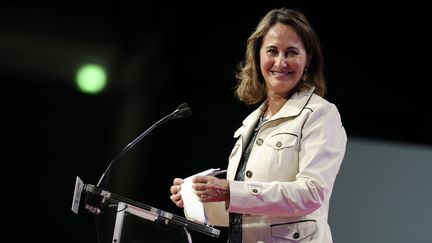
{"points": [[118, 226]]}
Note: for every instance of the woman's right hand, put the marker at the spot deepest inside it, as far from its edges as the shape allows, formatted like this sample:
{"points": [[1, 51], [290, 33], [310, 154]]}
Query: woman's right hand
{"points": [[175, 191]]}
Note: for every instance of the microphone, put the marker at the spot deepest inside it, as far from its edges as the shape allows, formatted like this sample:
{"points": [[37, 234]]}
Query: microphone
{"points": [[182, 110]]}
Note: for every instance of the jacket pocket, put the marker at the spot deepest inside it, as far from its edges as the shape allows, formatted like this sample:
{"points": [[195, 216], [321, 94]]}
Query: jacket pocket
{"points": [[299, 231], [282, 140]]}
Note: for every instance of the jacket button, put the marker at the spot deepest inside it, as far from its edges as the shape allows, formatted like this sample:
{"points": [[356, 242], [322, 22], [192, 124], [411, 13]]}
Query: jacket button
{"points": [[249, 174], [259, 142], [296, 235], [279, 144]]}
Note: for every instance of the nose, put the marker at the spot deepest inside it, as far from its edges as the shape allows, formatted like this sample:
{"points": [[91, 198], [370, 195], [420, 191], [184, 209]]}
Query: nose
{"points": [[280, 61]]}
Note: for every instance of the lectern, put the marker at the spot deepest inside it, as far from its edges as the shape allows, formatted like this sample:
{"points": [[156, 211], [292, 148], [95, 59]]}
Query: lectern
{"points": [[102, 202]]}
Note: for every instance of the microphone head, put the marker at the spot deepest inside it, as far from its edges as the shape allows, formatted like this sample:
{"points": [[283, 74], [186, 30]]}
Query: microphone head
{"points": [[184, 105], [183, 110]]}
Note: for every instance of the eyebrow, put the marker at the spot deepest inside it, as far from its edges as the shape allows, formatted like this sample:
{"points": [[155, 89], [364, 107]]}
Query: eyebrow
{"points": [[275, 47]]}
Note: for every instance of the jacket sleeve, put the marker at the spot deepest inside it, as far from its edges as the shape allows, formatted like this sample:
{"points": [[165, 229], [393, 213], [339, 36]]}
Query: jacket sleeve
{"points": [[321, 151]]}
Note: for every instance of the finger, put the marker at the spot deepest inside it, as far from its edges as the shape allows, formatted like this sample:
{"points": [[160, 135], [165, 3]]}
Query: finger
{"points": [[199, 179], [199, 186], [175, 189], [178, 181], [175, 197], [177, 201]]}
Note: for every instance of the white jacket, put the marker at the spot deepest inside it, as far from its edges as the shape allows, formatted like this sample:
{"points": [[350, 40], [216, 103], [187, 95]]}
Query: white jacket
{"points": [[289, 175]]}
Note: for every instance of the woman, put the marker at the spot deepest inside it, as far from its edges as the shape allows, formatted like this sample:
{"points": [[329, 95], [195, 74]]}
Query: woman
{"points": [[289, 150]]}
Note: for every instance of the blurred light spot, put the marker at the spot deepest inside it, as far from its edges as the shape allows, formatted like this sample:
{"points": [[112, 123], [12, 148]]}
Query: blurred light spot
{"points": [[91, 78]]}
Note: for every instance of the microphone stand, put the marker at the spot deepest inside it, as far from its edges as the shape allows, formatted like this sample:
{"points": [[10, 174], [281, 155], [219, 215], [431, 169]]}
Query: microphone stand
{"points": [[183, 110]]}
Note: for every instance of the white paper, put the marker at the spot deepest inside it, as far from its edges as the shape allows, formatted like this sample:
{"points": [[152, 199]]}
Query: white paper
{"points": [[79, 186], [193, 207]]}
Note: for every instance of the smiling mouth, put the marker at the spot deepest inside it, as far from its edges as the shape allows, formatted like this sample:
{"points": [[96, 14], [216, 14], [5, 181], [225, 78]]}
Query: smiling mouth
{"points": [[278, 74]]}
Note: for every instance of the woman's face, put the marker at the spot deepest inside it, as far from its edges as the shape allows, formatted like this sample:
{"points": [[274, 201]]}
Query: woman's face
{"points": [[282, 60]]}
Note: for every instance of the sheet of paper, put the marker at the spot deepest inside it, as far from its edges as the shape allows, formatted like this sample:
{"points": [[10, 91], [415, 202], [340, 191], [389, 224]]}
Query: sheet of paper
{"points": [[193, 207], [79, 186]]}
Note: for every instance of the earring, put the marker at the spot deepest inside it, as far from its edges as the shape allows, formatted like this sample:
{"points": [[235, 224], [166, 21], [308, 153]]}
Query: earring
{"points": [[305, 74]]}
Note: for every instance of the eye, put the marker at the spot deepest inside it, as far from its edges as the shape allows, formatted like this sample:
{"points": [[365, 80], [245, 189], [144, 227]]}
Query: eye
{"points": [[272, 52], [291, 53]]}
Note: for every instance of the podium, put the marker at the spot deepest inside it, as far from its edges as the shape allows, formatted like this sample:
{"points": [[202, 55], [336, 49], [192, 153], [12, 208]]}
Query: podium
{"points": [[103, 203]]}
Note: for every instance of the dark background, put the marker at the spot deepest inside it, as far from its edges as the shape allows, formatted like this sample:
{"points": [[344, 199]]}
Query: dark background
{"points": [[160, 55]]}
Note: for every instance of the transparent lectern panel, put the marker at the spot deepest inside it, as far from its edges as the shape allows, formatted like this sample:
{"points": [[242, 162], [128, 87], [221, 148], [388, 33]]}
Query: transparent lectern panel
{"points": [[136, 229]]}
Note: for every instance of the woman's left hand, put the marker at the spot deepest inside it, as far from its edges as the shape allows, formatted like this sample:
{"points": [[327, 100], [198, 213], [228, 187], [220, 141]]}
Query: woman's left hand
{"points": [[211, 189]]}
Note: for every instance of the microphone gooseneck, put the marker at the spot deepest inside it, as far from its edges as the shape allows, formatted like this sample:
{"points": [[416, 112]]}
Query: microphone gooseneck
{"points": [[182, 110]]}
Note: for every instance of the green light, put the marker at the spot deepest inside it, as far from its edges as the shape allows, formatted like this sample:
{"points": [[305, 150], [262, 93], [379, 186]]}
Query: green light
{"points": [[91, 78]]}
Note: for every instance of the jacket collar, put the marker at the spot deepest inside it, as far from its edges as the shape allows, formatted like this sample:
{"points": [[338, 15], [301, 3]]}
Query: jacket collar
{"points": [[292, 107]]}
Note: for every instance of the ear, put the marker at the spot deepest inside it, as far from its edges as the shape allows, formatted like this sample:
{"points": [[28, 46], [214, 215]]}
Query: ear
{"points": [[308, 60]]}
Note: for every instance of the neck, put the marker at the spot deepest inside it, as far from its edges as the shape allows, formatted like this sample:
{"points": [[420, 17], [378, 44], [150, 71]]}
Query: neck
{"points": [[273, 106]]}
